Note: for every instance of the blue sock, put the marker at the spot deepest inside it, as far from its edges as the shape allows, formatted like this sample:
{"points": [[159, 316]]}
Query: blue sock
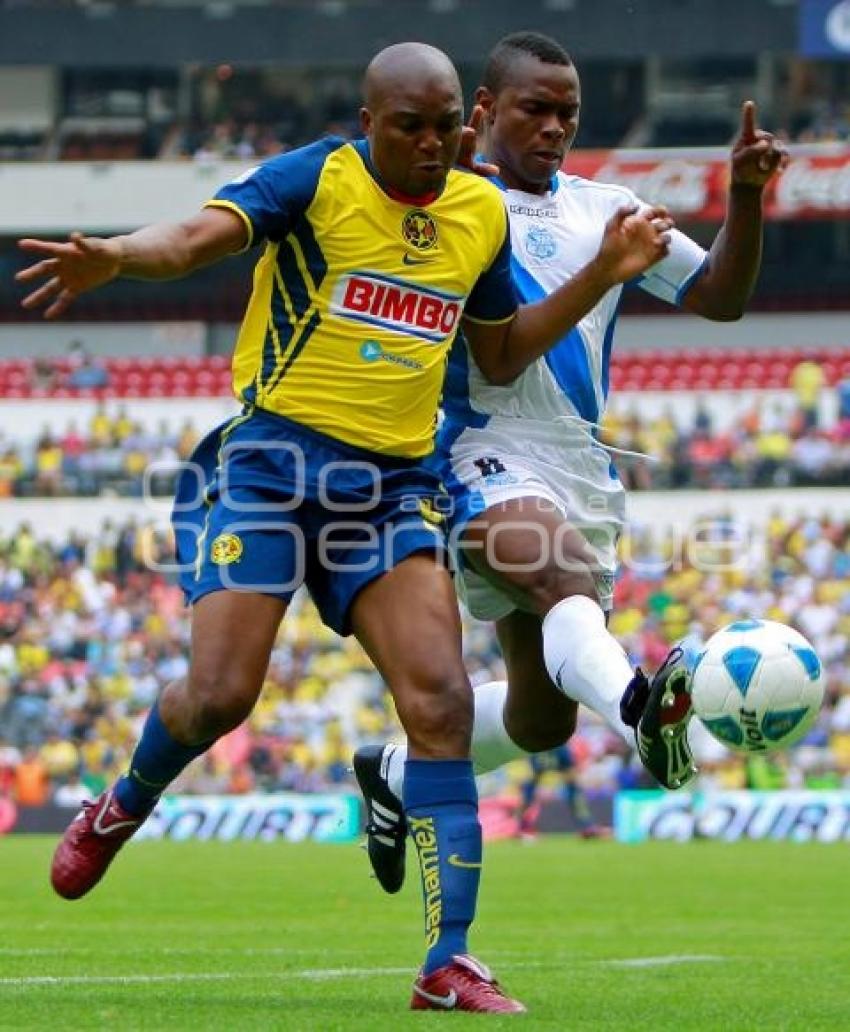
{"points": [[157, 761], [441, 807]]}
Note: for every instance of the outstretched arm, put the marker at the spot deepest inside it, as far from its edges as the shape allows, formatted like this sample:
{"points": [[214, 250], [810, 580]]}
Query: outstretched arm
{"points": [[161, 251], [632, 242], [722, 290]]}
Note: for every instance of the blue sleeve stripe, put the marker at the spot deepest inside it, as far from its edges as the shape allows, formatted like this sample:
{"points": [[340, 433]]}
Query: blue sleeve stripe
{"points": [[689, 282]]}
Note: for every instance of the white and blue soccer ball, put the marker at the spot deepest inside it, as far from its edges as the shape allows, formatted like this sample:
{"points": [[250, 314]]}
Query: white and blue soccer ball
{"points": [[757, 685]]}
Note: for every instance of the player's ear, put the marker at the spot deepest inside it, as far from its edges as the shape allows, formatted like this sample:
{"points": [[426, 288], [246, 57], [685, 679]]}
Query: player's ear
{"points": [[365, 121]]}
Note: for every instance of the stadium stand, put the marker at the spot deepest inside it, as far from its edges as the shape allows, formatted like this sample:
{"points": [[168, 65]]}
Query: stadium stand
{"points": [[89, 636], [666, 370], [765, 442]]}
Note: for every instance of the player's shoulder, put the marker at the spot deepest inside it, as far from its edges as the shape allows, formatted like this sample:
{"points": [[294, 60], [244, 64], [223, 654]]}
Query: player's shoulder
{"points": [[310, 155], [475, 187], [591, 191]]}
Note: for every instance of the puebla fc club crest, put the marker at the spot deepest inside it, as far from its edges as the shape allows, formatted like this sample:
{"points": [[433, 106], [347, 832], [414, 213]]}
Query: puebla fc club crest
{"points": [[419, 230], [540, 243]]}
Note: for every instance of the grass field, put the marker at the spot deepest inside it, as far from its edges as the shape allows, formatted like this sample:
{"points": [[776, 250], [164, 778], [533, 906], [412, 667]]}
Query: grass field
{"points": [[590, 935]]}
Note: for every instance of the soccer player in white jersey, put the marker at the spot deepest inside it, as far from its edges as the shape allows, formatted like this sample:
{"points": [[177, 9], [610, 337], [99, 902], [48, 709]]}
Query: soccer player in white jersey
{"points": [[537, 503]]}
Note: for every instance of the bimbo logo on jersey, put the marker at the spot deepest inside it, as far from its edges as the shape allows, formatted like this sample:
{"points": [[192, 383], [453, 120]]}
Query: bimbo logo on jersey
{"points": [[397, 305]]}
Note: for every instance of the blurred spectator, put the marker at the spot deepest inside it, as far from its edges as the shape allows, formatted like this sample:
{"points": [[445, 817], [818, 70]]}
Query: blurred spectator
{"points": [[48, 465], [807, 380], [78, 353], [702, 418], [31, 786], [89, 374], [843, 391], [45, 377]]}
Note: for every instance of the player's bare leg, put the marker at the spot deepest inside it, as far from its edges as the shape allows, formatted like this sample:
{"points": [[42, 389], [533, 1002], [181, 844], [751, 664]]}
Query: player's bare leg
{"points": [[537, 716], [526, 546], [409, 624], [558, 652], [232, 638]]}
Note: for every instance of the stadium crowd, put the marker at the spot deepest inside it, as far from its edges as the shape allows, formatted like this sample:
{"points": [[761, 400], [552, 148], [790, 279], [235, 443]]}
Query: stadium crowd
{"points": [[246, 139], [89, 633], [766, 446]]}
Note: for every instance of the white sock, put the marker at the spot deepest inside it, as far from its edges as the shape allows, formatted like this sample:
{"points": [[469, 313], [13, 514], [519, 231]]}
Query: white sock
{"points": [[492, 746], [585, 661]]}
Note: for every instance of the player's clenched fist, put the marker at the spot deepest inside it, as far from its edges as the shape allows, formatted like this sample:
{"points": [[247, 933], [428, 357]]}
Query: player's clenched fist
{"points": [[69, 269], [634, 240], [757, 155]]}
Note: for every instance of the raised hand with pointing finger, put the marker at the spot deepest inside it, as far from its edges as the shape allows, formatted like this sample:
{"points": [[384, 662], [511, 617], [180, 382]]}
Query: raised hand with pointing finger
{"points": [[757, 155]]}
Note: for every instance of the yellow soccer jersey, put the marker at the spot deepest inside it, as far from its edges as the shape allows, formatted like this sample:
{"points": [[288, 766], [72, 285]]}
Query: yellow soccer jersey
{"points": [[358, 296]]}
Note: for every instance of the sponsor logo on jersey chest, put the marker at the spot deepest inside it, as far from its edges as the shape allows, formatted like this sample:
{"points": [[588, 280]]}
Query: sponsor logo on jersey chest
{"points": [[396, 305], [534, 213]]}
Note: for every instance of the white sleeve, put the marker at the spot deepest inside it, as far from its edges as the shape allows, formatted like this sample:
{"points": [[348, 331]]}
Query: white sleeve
{"points": [[670, 278]]}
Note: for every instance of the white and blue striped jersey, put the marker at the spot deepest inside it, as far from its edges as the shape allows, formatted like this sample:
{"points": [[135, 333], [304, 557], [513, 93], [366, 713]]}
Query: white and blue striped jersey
{"points": [[553, 235]]}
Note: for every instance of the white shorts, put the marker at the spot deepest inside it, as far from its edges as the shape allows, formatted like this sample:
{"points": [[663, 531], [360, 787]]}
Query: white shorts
{"points": [[509, 459]]}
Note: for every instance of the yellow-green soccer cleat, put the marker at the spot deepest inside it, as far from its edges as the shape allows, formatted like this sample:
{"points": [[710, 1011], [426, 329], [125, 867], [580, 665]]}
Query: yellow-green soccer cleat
{"points": [[659, 712]]}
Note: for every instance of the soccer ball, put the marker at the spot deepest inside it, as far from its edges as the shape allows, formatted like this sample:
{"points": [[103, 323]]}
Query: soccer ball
{"points": [[757, 685]]}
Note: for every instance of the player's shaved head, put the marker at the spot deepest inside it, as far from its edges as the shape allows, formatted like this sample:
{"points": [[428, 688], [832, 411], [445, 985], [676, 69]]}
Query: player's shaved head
{"points": [[406, 66], [412, 116]]}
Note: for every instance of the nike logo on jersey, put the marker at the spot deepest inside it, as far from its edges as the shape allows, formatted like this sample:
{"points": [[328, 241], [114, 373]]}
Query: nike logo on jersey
{"points": [[456, 861], [447, 1002], [408, 259]]}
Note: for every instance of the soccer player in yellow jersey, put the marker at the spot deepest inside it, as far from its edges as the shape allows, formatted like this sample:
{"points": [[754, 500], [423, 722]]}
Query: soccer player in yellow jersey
{"points": [[374, 253]]}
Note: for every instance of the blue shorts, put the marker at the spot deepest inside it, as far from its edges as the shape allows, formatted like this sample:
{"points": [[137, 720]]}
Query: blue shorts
{"points": [[266, 505], [559, 759]]}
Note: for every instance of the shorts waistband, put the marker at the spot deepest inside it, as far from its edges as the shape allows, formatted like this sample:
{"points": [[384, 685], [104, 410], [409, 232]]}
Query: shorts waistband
{"points": [[333, 443]]}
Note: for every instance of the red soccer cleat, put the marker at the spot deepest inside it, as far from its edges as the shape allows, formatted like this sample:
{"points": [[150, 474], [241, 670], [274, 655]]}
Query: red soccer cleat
{"points": [[89, 845], [464, 985]]}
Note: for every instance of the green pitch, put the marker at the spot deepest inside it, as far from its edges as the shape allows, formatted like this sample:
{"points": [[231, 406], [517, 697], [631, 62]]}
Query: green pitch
{"points": [[590, 935]]}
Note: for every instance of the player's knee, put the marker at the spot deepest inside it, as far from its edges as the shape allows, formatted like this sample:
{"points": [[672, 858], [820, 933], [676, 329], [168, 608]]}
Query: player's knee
{"points": [[219, 704], [437, 713], [541, 731]]}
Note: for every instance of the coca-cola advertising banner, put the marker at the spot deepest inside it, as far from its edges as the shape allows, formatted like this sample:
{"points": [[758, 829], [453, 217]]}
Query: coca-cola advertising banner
{"points": [[693, 183]]}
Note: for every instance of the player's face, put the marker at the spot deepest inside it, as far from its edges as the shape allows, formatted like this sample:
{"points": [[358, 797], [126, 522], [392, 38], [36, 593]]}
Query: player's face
{"points": [[414, 137], [532, 122]]}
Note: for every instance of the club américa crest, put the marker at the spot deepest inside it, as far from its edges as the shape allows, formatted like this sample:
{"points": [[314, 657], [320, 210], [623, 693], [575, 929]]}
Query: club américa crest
{"points": [[227, 548], [419, 229]]}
